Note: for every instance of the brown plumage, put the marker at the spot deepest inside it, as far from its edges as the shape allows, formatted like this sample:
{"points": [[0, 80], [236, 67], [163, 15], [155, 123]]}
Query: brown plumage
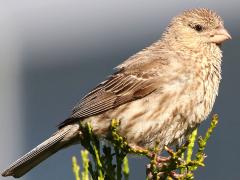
{"points": [[160, 94]]}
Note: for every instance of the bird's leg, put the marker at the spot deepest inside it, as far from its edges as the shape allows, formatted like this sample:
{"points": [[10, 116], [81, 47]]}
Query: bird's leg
{"points": [[162, 159], [169, 150]]}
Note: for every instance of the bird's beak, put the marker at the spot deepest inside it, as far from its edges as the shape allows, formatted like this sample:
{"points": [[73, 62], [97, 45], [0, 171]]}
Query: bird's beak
{"points": [[219, 35]]}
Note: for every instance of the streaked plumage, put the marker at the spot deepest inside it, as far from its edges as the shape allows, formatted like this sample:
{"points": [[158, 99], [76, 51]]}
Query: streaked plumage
{"points": [[160, 94]]}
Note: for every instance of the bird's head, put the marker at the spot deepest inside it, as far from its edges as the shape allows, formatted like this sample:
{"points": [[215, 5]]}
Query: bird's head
{"points": [[196, 27]]}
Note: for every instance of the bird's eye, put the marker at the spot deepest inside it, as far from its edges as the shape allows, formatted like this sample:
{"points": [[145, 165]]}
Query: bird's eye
{"points": [[198, 28]]}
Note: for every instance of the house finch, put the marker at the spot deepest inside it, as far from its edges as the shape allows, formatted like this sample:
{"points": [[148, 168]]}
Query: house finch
{"points": [[159, 94]]}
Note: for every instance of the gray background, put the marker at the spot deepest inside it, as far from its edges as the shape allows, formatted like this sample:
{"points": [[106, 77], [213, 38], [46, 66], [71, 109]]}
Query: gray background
{"points": [[53, 52]]}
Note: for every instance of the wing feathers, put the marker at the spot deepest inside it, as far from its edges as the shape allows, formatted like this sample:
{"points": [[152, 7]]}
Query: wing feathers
{"points": [[120, 88]]}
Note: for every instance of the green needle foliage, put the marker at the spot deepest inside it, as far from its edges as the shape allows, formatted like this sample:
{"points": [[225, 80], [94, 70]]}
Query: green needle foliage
{"points": [[110, 162], [76, 168]]}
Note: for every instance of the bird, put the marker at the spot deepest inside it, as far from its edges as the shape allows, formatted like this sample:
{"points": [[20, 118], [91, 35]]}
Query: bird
{"points": [[160, 94]]}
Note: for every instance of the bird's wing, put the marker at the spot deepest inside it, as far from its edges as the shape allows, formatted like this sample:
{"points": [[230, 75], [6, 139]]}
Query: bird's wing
{"points": [[118, 90], [122, 87]]}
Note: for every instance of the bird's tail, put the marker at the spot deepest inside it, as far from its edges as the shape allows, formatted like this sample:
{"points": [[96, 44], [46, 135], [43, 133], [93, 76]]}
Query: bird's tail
{"points": [[62, 138]]}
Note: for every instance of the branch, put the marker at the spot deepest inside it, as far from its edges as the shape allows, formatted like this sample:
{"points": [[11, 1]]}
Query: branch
{"points": [[110, 162]]}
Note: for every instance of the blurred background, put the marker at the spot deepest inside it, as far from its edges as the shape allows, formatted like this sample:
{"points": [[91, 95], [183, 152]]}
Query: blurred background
{"points": [[52, 52]]}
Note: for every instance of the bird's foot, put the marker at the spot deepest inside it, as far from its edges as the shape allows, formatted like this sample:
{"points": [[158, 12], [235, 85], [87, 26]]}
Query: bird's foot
{"points": [[162, 167]]}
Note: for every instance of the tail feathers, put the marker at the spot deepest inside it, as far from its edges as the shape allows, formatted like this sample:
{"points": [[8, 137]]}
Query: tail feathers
{"points": [[42, 151]]}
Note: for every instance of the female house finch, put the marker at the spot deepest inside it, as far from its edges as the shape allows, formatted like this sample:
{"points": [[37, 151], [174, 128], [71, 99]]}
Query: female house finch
{"points": [[159, 94]]}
